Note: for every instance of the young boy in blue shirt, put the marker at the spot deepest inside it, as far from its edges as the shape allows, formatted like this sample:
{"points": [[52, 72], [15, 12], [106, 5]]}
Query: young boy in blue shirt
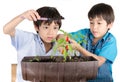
{"points": [[47, 22], [100, 43]]}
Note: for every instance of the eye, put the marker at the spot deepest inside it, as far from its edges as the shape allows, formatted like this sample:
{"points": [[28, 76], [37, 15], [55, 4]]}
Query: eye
{"points": [[56, 28], [45, 27], [99, 23], [91, 23]]}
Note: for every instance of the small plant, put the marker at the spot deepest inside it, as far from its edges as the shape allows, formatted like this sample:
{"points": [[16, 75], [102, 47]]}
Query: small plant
{"points": [[65, 44], [35, 59]]}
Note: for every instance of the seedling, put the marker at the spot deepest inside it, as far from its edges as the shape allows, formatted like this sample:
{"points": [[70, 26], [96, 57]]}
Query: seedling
{"points": [[65, 45]]}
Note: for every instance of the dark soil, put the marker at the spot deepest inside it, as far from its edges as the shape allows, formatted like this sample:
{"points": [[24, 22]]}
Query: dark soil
{"points": [[57, 59]]}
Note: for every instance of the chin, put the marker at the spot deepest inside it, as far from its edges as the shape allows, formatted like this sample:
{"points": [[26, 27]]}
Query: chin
{"points": [[97, 37], [48, 41]]}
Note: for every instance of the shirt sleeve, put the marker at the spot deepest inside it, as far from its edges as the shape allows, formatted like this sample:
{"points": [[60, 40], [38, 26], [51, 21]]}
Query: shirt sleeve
{"points": [[109, 50], [20, 39], [80, 35]]}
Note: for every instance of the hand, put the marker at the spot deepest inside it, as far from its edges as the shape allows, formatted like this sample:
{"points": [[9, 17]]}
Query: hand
{"points": [[74, 44], [31, 15]]}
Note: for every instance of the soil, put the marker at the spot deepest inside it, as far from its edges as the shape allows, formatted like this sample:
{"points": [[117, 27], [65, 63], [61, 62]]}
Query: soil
{"points": [[58, 59]]}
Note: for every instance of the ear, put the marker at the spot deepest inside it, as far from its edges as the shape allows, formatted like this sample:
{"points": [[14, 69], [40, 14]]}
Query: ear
{"points": [[110, 25]]}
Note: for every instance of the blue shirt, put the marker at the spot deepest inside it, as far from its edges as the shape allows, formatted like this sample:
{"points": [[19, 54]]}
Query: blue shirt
{"points": [[27, 44], [105, 47]]}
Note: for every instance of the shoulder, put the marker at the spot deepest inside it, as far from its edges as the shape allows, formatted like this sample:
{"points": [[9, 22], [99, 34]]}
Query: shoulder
{"points": [[109, 37], [23, 36], [18, 31], [108, 44], [21, 33]]}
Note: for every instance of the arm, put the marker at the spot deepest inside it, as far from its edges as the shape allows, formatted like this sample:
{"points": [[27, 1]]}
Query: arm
{"points": [[9, 28], [83, 51]]}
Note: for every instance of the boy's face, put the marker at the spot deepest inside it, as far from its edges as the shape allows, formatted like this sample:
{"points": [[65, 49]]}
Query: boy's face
{"points": [[48, 32], [99, 27]]}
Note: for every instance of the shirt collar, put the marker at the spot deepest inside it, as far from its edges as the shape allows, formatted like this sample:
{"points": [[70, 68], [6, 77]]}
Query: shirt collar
{"points": [[40, 41], [103, 38]]}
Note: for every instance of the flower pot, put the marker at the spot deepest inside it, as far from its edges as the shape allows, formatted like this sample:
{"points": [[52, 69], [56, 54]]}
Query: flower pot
{"points": [[48, 71]]}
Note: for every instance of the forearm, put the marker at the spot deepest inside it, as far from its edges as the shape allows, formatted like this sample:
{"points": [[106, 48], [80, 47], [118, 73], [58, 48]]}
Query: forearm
{"points": [[9, 28], [31, 15], [83, 51]]}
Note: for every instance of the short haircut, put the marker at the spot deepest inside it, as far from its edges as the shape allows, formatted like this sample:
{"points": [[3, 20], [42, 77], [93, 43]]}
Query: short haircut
{"points": [[102, 10], [51, 13]]}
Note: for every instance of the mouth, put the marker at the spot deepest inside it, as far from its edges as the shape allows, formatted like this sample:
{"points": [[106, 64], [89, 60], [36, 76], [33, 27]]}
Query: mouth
{"points": [[50, 38], [95, 32]]}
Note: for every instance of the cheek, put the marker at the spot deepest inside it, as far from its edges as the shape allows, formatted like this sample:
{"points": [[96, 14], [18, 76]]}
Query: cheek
{"points": [[104, 29], [42, 34], [55, 32], [54, 35]]}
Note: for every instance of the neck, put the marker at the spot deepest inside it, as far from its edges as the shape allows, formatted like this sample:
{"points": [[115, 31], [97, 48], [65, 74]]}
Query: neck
{"points": [[48, 46], [95, 40]]}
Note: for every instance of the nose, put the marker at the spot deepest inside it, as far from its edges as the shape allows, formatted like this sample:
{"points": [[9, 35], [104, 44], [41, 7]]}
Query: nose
{"points": [[94, 26], [51, 31]]}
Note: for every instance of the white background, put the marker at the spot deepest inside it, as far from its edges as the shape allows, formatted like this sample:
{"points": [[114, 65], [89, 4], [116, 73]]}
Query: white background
{"points": [[75, 13]]}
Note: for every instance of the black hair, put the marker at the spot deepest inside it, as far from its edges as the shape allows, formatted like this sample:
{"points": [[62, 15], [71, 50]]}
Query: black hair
{"points": [[51, 13], [102, 10]]}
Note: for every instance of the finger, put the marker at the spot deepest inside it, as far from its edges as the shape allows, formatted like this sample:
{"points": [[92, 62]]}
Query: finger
{"points": [[70, 41], [33, 17], [36, 16], [29, 15]]}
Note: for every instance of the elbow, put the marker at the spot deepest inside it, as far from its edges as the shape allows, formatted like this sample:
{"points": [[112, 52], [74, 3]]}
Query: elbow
{"points": [[5, 30], [101, 62]]}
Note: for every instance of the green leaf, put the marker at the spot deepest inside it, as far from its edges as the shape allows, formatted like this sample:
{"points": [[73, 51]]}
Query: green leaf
{"points": [[60, 41], [70, 47]]}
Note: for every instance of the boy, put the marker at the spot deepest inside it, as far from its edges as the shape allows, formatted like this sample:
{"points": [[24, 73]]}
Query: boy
{"points": [[47, 22], [100, 43]]}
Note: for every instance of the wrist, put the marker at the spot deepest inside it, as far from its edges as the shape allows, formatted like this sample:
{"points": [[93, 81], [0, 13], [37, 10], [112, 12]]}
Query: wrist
{"points": [[22, 17], [77, 47]]}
